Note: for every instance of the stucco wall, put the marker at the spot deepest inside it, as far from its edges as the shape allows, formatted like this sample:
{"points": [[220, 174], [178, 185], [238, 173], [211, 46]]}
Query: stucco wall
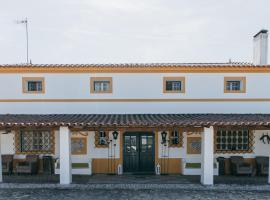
{"points": [[135, 86], [7, 144], [92, 151]]}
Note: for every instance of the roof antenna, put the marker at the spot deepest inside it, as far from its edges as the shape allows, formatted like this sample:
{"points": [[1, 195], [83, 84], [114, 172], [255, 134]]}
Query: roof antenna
{"points": [[230, 60], [25, 21]]}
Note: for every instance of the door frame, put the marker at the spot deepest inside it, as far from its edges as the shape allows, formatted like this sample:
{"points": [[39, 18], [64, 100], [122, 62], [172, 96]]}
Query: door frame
{"points": [[140, 133]]}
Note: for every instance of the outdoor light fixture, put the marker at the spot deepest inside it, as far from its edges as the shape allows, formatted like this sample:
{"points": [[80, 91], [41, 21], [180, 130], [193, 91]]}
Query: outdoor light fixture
{"points": [[163, 136], [115, 135]]}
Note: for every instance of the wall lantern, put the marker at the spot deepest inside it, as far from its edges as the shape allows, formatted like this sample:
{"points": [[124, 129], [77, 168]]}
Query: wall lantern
{"points": [[115, 135], [163, 136]]}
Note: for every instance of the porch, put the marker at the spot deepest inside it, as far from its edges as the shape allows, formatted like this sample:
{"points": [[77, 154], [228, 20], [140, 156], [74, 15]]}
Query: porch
{"points": [[101, 144]]}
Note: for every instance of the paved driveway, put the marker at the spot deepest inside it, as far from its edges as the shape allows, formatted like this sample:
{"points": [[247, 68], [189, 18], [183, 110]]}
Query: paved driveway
{"points": [[96, 194]]}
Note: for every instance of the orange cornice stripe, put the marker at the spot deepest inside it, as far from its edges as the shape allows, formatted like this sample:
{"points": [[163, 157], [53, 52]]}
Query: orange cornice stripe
{"points": [[140, 100], [184, 69]]}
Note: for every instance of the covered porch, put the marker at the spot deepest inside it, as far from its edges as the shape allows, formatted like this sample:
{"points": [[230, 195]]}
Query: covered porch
{"points": [[181, 144]]}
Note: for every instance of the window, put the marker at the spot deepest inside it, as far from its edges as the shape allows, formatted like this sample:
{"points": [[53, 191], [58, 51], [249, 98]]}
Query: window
{"points": [[79, 146], [233, 141], [101, 139], [174, 85], [101, 85], [33, 85], [35, 142], [234, 84], [194, 145], [175, 138]]}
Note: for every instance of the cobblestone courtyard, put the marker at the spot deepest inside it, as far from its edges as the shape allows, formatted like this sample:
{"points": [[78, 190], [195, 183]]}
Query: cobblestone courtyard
{"points": [[133, 187], [187, 194]]}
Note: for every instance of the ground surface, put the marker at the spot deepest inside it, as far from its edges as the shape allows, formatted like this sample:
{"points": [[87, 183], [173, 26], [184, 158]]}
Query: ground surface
{"points": [[133, 187], [67, 194], [139, 179]]}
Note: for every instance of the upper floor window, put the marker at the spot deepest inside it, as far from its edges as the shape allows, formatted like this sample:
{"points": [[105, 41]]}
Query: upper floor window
{"points": [[174, 85], [234, 84], [101, 85], [33, 85]]}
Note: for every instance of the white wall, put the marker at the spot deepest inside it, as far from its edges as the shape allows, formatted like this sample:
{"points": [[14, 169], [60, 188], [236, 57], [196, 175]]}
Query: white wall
{"points": [[135, 86], [92, 151], [261, 149], [7, 143], [134, 108]]}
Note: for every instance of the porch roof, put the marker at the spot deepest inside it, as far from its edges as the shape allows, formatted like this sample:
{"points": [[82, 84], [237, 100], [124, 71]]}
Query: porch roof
{"points": [[133, 120]]}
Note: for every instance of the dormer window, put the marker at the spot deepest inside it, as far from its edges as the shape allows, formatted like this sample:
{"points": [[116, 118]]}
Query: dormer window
{"points": [[101, 85], [33, 85], [234, 85], [174, 85]]}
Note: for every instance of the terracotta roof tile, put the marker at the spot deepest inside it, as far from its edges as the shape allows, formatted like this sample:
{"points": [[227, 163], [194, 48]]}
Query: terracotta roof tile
{"points": [[128, 65], [126, 120]]}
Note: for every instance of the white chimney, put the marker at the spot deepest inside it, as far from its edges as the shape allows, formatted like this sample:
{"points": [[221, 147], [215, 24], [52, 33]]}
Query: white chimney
{"points": [[260, 42]]}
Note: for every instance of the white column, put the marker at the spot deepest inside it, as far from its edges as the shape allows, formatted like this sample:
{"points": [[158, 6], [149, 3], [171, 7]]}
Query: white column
{"points": [[269, 171], [65, 156], [1, 176], [207, 174]]}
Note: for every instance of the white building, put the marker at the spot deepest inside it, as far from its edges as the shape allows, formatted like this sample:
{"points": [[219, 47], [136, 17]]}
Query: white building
{"points": [[134, 118]]}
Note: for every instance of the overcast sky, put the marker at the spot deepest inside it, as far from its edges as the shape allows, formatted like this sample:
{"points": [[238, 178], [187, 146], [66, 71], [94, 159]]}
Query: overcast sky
{"points": [[117, 31]]}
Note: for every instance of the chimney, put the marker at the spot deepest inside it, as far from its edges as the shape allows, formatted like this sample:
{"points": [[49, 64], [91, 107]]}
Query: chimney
{"points": [[260, 48]]}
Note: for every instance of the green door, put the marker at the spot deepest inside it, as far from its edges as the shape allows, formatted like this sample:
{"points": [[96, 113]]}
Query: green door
{"points": [[139, 152]]}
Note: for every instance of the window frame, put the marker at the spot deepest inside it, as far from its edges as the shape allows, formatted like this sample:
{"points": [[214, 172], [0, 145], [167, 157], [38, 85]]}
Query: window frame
{"points": [[83, 150], [190, 140], [250, 141], [178, 78], [180, 138], [241, 79], [18, 143], [25, 80], [97, 139], [92, 85]]}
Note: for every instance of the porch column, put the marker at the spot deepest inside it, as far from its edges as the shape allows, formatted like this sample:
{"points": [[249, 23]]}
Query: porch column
{"points": [[1, 176], [65, 157], [207, 164]]}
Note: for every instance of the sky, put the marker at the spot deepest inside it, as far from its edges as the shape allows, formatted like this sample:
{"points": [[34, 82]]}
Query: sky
{"points": [[131, 31]]}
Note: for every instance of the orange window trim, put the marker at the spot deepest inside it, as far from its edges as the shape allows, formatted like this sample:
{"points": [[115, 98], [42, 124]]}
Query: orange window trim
{"points": [[183, 84], [82, 151], [24, 85], [243, 81], [93, 79]]}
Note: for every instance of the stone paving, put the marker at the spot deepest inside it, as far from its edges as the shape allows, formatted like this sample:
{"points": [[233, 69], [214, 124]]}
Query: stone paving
{"points": [[136, 179], [133, 187], [101, 194]]}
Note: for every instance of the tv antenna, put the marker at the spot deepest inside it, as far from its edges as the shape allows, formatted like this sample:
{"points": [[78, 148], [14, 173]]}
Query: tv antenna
{"points": [[25, 21]]}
